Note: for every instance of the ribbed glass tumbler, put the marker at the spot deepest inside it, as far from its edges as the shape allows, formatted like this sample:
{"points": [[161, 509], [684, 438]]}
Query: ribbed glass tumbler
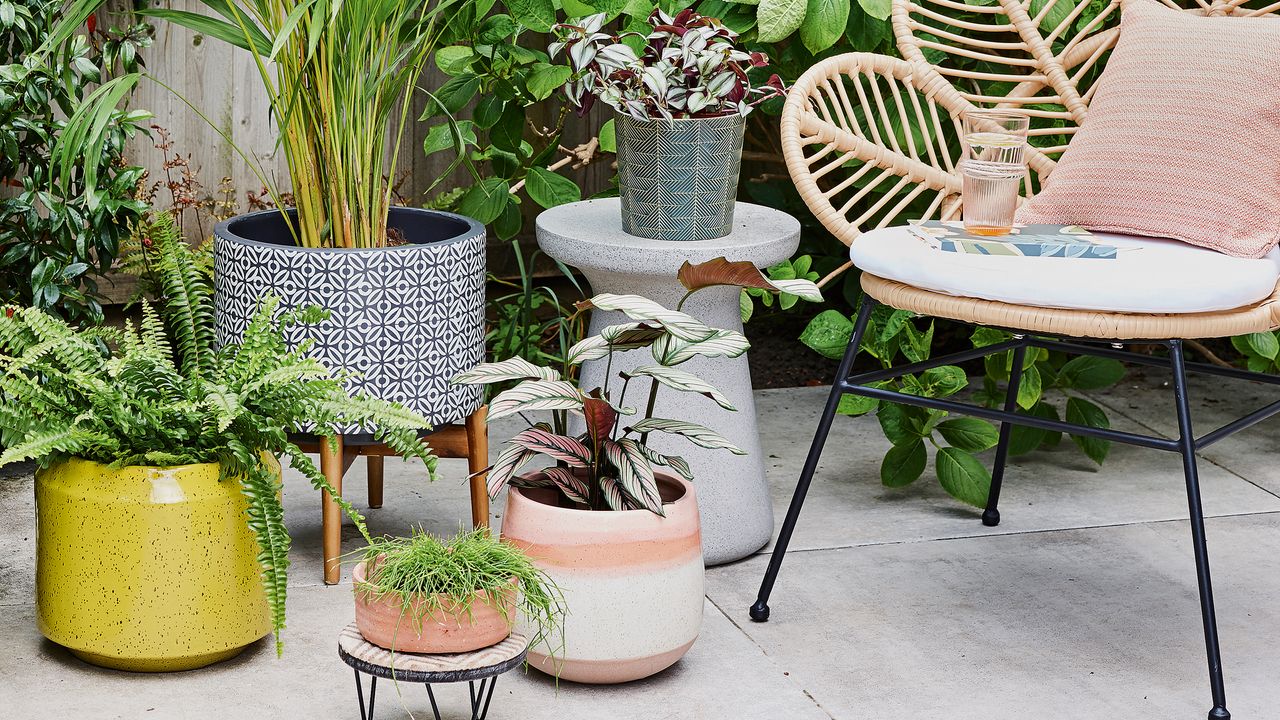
{"points": [[994, 163], [678, 179]]}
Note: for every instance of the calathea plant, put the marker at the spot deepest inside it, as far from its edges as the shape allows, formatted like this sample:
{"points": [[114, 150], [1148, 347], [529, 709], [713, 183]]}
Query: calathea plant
{"points": [[689, 67], [134, 397], [610, 466]]}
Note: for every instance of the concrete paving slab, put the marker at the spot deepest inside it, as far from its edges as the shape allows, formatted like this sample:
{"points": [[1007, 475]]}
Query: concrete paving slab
{"points": [[1146, 397], [723, 676], [1094, 623], [1045, 490]]}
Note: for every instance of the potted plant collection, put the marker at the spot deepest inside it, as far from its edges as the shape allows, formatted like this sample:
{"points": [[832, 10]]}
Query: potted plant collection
{"points": [[423, 594], [405, 285], [613, 522], [161, 542], [681, 105]]}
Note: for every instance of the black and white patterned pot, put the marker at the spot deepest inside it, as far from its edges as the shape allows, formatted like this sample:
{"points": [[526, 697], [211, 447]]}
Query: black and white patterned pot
{"points": [[404, 319], [678, 179]]}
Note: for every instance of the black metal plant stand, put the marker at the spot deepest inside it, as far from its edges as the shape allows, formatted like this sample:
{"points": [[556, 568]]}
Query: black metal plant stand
{"points": [[479, 669], [1187, 444]]}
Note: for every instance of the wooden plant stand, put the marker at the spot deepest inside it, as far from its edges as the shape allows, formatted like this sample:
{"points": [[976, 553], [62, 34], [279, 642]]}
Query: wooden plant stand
{"points": [[469, 439]]}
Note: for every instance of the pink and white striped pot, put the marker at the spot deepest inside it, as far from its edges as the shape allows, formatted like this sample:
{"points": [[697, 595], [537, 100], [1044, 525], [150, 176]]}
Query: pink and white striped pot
{"points": [[632, 581]]}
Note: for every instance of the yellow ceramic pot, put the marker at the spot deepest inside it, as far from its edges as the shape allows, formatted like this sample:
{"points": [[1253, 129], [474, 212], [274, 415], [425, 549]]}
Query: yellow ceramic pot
{"points": [[145, 568]]}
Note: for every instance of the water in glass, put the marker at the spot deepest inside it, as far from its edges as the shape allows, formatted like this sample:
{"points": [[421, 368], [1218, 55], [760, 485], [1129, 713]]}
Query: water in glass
{"points": [[992, 169]]}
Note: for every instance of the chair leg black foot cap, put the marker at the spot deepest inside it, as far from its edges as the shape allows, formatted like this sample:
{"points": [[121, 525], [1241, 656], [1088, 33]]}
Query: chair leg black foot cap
{"points": [[991, 518], [1219, 713], [760, 612]]}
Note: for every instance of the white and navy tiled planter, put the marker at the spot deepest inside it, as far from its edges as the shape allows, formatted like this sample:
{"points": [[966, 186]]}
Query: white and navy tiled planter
{"points": [[403, 319]]}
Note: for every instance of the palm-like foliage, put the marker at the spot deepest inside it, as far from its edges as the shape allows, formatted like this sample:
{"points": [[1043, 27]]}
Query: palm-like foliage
{"points": [[610, 466], [136, 397]]}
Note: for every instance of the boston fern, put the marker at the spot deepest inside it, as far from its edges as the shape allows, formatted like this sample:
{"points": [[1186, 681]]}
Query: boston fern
{"points": [[610, 466], [135, 397]]}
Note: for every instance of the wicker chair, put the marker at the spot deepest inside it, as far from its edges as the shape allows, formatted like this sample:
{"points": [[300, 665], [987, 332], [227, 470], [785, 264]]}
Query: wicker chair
{"points": [[870, 139]]}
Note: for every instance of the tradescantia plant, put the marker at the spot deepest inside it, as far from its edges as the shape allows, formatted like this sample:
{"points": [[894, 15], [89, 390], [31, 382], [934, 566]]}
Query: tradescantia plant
{"points": [[134, 397], [689, 67], [610, 466]]}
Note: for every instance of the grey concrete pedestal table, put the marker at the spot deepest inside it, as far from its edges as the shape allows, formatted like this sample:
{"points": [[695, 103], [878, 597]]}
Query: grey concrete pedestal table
{"points": [[737, 514]]}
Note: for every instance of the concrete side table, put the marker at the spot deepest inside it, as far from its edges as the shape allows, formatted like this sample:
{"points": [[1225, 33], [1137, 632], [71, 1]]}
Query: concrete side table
{"points": [[737, 514]]}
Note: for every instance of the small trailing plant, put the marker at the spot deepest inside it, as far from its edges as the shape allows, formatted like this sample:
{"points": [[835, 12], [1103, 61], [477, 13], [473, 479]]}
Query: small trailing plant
{"points": [[134, 397], [427, 574], [688, 67], [610, 466]]}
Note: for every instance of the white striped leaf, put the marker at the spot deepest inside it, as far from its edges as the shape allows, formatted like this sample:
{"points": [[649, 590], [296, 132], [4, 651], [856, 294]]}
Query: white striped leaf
{"points": [[515, 368], [724, 343], [559, 447], [536, 395], [682, 325], [635, 474], [573, 487], [539, 480], [613, 495], [626, 336], [675, 463], [804, 289], [508, 463], [682, 381], [697, 434]]}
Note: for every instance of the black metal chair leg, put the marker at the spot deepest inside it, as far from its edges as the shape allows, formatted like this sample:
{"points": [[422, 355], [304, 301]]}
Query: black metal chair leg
{"points": [[373, 692], [760, 610], [1187, 448], [991, 516]]}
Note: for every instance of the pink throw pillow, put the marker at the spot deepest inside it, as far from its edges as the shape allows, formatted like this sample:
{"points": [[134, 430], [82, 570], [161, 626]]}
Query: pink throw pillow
{"points": [[1182, 139]]}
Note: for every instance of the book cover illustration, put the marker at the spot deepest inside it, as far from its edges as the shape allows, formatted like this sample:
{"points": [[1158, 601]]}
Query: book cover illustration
{"points": [[1064, 241]]}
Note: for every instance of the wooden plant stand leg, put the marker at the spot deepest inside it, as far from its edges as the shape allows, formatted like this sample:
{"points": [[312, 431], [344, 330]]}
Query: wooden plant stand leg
{"points": [[331, 466], [477, 460], [375, 480]]}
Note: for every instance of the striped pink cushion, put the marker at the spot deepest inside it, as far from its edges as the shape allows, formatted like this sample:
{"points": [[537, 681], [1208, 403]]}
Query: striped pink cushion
{"points": [[1182, 139]]}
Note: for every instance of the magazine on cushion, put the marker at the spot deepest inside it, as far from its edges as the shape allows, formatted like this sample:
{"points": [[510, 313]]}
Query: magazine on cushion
{"points": [[1059, 241]]}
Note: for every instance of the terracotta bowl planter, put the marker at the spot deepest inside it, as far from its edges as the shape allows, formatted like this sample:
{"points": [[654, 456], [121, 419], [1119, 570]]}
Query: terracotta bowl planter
{"points": [[385, 623], [632, 581]]}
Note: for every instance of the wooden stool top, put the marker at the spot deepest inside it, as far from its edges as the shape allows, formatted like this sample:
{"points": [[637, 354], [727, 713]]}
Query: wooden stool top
{"points": [[409, 667]]}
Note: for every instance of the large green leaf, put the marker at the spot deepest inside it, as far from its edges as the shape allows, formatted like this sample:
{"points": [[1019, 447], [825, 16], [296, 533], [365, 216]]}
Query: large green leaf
{"points": [[546, 78], [969, 434], [486, 200], [779, 18], [962, 476], [828, 334], [1083, 412], [537, 15], [1090, 373], [879, 9], [903, 464], [1263, 344], [550, 189], [824, 24], [1029, 387]]}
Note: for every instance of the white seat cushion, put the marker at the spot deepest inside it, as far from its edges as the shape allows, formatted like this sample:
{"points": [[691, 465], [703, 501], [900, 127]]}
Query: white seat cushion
{"points": [[1148, 275]]}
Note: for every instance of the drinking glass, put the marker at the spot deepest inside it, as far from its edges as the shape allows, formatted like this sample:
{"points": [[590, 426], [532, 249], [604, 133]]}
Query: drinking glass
{"points": [[992, 168]]}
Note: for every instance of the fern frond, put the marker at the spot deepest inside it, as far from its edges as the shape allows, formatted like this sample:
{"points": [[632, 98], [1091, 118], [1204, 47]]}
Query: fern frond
{"points": [[261, 488], [53, 443], [188, 296]]}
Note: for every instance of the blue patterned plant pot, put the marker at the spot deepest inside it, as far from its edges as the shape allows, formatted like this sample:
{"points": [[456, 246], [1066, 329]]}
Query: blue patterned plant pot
{"points": [[678, 179], [404, 319]]}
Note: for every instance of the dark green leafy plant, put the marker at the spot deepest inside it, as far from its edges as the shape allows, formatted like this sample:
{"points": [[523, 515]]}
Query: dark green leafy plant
{"points": [[150, 400], [1261, 351], [426, 574], [61, 225], [892, 335]]}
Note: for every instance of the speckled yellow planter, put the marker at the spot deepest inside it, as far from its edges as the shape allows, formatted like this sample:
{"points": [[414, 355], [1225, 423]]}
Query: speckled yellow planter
{"points": [[146, 569]]}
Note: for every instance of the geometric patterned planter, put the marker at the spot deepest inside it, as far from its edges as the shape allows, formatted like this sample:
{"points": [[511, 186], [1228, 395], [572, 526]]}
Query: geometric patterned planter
{"points": [[678, 179], [403, 319]]}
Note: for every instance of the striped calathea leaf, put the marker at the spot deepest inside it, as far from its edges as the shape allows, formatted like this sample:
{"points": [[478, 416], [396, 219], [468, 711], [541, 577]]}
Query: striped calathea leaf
{"points": [[562, 448], [669, 350], [695, 433], [635, 473], [680, 380], [515, 368], [625, 336], [575, 488], [509, 462], [677, 464], [679, 324], [613, 495], [744, 274], [533, 395]]}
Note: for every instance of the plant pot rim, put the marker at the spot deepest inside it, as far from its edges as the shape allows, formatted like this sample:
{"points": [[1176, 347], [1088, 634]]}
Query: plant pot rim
{"points": [[224, 230], [685, 486], [107, 466]]}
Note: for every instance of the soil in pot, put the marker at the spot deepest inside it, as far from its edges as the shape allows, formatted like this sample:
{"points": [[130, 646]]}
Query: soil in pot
{"points": [[432, 625]]}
